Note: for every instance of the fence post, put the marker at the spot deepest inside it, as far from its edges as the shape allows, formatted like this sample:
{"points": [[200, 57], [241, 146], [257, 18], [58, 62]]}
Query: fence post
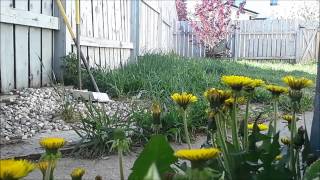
{"points": [[135, 30], [315, 128], [297, 42], [160, 30], [60, 49], [235, 42]]}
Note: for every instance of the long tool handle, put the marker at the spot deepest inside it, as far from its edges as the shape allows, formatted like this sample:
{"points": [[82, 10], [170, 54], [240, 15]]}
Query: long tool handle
{"points": [[62, 11], [78, 41]]}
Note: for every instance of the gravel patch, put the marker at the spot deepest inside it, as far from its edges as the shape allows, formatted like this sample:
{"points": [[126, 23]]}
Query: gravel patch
{"points": [[30, 111]]}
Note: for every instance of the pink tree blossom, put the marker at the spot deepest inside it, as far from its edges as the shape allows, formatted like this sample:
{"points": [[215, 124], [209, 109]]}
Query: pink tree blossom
{"points": [[181, 7], [212, 20]]}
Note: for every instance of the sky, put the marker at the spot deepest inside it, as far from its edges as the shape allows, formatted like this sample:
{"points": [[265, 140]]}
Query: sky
{"points": [[284, 9]]}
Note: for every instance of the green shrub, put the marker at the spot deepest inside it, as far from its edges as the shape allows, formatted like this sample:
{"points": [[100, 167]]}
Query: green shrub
{"points": [[96, 132]]}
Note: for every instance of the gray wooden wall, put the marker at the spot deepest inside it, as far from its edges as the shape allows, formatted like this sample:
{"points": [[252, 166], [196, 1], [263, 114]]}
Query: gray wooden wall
{"points": [[185, 41], [275, 39], [112, 31], [26, 43]]}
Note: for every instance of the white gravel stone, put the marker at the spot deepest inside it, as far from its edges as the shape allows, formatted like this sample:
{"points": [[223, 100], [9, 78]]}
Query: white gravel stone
{"points": [[30, 111]]}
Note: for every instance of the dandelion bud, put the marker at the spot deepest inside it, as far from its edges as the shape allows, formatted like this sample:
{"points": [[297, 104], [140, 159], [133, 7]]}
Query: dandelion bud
{"points": [[77, 173], [119, 134], [285, 141], [156, 111], [299, 138]]}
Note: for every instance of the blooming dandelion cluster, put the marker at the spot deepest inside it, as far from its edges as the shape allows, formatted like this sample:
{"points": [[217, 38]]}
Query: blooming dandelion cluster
{"points": [[216, 97], [275, 90], [183, 99], [52, 143], [297, 83], [11, 169], [261, 127], [197, 154], [288, 118], [236, 83]]}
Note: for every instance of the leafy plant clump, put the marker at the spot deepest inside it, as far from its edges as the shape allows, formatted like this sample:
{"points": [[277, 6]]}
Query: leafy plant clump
{"points": [[97, 131]]}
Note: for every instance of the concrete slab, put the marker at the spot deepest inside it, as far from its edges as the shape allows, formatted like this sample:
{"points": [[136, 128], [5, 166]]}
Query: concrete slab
{"points": [[89, 95]]}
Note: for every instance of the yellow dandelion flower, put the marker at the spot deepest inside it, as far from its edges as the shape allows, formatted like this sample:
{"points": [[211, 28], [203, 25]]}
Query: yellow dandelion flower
{"points": [[262, 127], [183, 99], [52, 143], [216, 97], [297, 83], [285, 141], [254, 84], [197, 154], [14, 169], [278, 157], [276, 90], [287, 118], [77, 173], [236, 82]]}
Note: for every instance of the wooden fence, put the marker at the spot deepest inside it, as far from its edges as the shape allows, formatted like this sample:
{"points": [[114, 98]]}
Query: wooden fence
{"points": [[26, 42], [112, 31], [276, 40], [185, 41]]}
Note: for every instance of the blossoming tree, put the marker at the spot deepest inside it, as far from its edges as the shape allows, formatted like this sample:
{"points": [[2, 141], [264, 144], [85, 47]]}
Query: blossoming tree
{"points": [[211, 20], [181, 7]]}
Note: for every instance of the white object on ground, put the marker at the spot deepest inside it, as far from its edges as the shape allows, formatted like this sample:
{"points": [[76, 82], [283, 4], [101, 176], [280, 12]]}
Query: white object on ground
{"points": [[89, 95]]}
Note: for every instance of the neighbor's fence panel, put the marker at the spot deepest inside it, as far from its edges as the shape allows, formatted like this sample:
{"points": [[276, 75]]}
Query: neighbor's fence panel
{"points": [[308, 44], [185, 41], [274, 39], [156, 20], [26, 43], [105, 31]]}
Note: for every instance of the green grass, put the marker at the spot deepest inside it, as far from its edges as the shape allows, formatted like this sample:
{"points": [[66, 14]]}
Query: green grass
{"points": [[155, 77]]}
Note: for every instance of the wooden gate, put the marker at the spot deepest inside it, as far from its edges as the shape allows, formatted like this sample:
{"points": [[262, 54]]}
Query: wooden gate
{"points": [[275, 40], [308, 44]]}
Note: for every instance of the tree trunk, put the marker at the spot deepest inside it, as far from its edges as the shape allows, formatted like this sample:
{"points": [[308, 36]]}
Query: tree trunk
{"points": [[315, 129]]}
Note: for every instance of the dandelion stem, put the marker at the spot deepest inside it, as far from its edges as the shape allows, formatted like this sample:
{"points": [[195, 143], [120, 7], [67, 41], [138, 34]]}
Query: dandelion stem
{"points": [[275, 108], [298, 165], [245, 127], [49, 171], [223, 145], [186, 128], [234, 125], [292, 135], [120, 163]]}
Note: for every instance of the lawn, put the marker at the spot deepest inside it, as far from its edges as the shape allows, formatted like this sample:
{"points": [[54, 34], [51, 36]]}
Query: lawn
{"points": [[156, 77]]}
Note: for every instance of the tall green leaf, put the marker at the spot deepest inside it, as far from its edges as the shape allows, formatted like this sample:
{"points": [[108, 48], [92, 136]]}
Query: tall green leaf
{"points": [[313, 171], [157, 151]]}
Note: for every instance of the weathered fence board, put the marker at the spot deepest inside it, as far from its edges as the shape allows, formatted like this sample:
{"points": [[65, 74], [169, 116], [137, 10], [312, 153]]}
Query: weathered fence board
{"points": [[21, 49], [7, 57], [185, 41], [112, 32], [275, 39], [35, 47], [26, 40]]}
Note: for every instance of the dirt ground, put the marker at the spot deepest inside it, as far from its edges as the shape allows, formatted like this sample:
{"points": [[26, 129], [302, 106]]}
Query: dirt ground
{"points": [[107, 167]]}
